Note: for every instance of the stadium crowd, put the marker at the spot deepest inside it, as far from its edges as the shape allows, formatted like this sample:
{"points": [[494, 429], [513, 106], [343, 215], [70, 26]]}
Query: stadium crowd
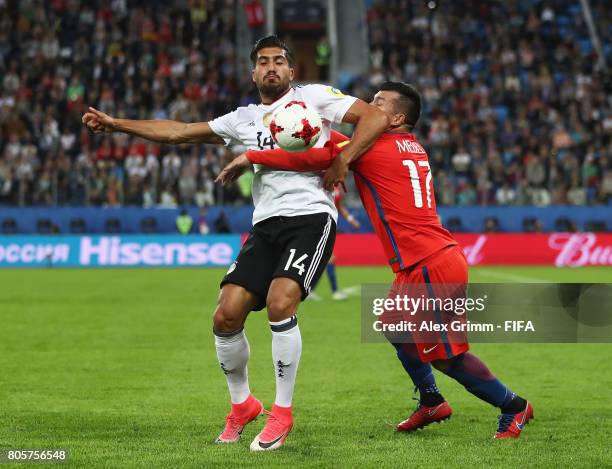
{"points": [[153, 60], [516, 109]]}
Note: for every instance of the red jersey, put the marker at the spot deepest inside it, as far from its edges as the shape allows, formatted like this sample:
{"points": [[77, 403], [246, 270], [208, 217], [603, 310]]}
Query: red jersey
{"points": [[396, 188]]}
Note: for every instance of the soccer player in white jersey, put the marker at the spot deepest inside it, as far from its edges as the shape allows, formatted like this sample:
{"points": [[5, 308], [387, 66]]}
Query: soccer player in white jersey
{"points": [[294, 226]]}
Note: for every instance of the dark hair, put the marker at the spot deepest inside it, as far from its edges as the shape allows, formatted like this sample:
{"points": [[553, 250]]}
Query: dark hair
{"points": [[409, 101], [271, 41]]}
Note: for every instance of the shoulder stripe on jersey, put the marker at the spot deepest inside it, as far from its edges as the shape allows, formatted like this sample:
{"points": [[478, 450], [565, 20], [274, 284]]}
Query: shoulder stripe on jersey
{"points": [[430, 292], [381, 214]]}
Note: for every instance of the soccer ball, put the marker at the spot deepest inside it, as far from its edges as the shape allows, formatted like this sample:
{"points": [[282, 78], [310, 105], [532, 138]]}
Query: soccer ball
{"points": [[295, 127]]}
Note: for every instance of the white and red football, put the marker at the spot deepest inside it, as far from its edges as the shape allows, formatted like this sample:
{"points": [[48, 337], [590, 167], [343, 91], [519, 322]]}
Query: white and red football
{"points": [[295, 127]]}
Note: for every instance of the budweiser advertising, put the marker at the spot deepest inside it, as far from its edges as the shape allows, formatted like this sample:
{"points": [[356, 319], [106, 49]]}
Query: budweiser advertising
{"points": [[552, 249]]}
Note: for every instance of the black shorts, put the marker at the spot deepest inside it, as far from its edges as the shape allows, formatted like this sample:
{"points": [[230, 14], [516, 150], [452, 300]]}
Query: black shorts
{"points": [[293, 247]]}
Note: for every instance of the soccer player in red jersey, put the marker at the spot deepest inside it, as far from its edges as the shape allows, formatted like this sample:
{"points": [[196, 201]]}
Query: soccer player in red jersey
{"points": [[395, 185]]}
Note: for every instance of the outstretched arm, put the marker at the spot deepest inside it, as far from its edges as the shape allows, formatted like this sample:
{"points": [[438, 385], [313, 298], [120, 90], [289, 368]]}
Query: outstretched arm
{"points": [[163, 131], [314, 159]]}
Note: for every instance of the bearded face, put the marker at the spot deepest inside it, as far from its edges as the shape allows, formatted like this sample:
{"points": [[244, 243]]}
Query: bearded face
{"points": [[272, 74]]}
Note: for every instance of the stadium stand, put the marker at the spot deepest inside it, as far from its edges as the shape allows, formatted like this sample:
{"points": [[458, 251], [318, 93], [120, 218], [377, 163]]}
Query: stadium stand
{"points": [[516, 110], [163, 60]]}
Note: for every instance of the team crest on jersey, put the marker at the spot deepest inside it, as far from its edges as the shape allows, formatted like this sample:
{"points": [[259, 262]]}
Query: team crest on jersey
{"points": [[267, 118], [335, 92]]}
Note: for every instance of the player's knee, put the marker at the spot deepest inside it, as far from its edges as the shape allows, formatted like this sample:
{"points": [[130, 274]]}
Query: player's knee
{"points": [[228, 317], [280, 306], [225, 321], [443, 365], [233, 307]]}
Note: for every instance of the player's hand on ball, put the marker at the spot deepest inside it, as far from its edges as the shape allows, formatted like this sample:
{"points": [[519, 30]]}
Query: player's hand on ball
{"points": [[336, 174], [233, 170], [98, 122]]}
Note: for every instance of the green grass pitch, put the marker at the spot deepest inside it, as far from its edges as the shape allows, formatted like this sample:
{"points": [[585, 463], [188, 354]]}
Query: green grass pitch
{"points": [[118, 366]]}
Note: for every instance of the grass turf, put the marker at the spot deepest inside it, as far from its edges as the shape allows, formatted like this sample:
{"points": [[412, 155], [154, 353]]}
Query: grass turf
{"points": [[118, 366]]}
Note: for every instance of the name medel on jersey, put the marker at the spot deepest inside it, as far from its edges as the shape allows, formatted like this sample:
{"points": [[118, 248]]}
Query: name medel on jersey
{"points": [[285, 193]]}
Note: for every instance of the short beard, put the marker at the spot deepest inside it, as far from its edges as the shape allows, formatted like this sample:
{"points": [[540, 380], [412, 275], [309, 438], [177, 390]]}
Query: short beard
{"points": [[273, 91]]}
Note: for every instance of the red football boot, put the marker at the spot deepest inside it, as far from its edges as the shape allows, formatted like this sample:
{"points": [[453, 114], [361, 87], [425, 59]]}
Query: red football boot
{"points": [[240, 416], [511, 425], [274, 433], [424, 415]]}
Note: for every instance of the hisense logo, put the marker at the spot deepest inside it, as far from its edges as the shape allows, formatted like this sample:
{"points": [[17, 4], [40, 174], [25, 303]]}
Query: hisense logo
{"points": [[112, 250]]}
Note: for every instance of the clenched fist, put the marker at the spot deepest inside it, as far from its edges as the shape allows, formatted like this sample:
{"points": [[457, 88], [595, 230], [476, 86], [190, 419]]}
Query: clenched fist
{"points": [[98, 122]]}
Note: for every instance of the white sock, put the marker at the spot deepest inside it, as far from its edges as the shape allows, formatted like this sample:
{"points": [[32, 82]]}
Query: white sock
{"points": [[233, 353], [286, 351]]}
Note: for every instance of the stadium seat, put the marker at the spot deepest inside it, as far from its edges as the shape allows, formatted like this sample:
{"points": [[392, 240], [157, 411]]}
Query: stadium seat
{"points": [[78, 226], [454, 224], [43, 226], [595, 226], [529, 224], [491, 225], [564, 224], [9, 226], [112, 226], [148, 225]]}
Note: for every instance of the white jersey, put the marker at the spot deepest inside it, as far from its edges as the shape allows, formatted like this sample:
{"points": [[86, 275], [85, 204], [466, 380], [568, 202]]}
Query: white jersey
{"points": [[285, 193]]}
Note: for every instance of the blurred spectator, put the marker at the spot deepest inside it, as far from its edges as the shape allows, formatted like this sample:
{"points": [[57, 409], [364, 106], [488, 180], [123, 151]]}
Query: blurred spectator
{"points": [[577, 193], [203, 227], [323, 54], [466, 195], [505, 195], [184, 222], [491, 225], [245, 183], [606, 187], [167, 198], [221, 223], [533, 225], [538, 226]]}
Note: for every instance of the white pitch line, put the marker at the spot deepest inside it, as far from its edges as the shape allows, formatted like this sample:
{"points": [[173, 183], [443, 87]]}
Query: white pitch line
{"points": [[511, 277]]}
